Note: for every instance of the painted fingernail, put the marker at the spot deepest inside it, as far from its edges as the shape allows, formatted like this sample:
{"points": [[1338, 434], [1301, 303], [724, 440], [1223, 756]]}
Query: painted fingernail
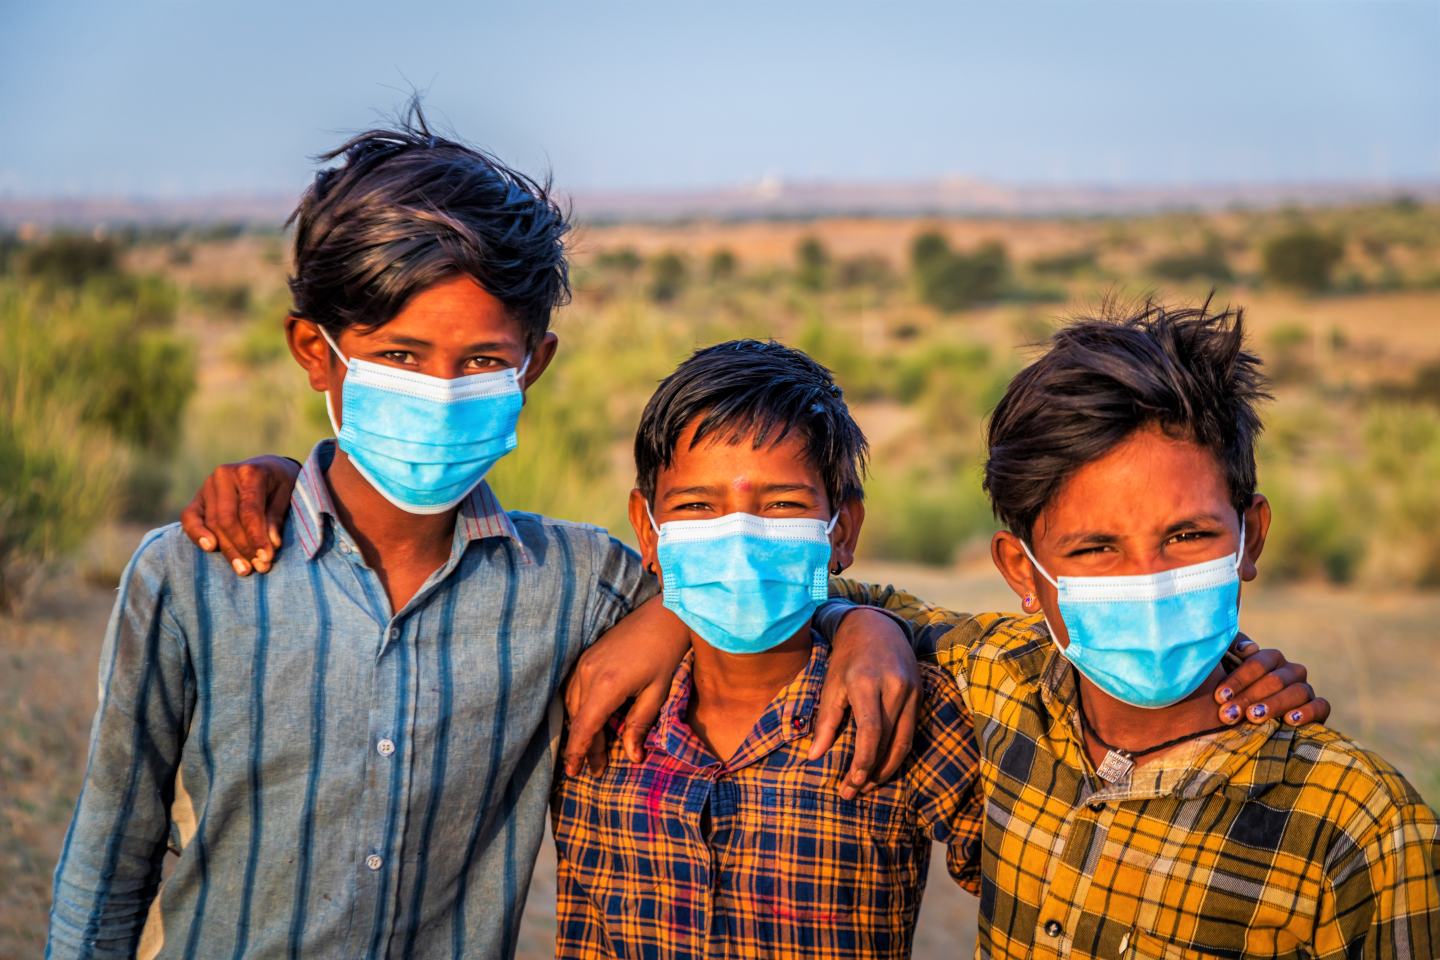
{"points": [[1231, 713], [1296, 716], [207, 544], [1226, 694], [240, 566], [1258, 711]]}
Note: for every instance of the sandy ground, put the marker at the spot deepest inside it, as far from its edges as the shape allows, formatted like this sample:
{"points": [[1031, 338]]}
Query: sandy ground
{"points": [[1376, 657]]}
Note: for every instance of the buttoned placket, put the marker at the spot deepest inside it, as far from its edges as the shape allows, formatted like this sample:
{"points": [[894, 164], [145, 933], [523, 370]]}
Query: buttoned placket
{"points": [[394, 708]]}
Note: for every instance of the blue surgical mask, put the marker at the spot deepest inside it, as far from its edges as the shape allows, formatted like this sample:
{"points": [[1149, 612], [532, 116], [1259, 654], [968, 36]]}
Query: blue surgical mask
{"points": [[745, 584], [425, 442], [1150, 640]]}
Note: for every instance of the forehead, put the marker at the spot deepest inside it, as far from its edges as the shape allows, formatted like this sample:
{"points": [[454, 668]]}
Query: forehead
{"points": [[455, 310], [1146, 482], [721, 456]]}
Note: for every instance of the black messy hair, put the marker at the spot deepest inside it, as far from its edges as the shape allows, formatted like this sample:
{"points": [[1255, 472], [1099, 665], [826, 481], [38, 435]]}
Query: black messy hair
{"points": [[758, 391], [1105, 377], [406, 209]]}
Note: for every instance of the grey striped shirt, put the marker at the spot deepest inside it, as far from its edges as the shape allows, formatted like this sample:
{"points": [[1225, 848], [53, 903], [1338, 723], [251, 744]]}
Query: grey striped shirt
{"points": [[337, 781]]}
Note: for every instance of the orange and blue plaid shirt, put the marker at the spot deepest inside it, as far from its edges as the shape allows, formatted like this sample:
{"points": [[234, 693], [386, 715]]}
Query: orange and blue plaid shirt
{"points": [[686, 856], [1261, 841]]}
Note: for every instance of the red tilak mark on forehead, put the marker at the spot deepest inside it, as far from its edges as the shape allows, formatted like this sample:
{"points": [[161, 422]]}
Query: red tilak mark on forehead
{"points": [[743, 484]]}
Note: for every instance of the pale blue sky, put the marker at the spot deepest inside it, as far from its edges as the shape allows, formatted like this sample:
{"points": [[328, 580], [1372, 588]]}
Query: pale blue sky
{"points": [[163, 97]]}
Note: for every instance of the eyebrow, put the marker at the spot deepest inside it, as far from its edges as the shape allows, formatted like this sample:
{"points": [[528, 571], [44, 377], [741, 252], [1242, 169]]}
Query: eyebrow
{"points": [[717, 490], [416, 342], [1095, 536]]}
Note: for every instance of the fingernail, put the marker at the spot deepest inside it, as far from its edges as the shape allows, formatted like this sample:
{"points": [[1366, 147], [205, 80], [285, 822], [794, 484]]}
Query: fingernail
{"points": [[1296, 716], [275, 536], [261, 565], [241, 567], [1246, 644], [207, 544], [1258, 711], [858, 779], [262, 555], [1226, 694], [1231, 713]]}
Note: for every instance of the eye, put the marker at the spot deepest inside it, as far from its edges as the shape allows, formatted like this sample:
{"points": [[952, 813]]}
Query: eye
{"points": [[486, 363], [1084, 551], [787, 505], [1192, 536], [691, 507], [398, 356]]}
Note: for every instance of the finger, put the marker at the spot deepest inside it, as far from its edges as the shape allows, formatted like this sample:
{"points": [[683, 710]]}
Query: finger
{"points": [[1316, 711], [227, 514], [192, 521], [236, 557], [1253, 701], [275, 514], [1257, 664], [902, 740], [1243, 646], [829, 718], [640, 718], [1281, 703], [869, 733], [251, 510]]}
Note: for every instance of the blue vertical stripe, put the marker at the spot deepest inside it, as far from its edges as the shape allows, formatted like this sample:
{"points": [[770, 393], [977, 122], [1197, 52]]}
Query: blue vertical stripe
{"points": [[257, 753], [127, 802], [122, 600], [438, 764], [397, 770], [201, 652], [562, 622], [497, 747], [317, 757]]}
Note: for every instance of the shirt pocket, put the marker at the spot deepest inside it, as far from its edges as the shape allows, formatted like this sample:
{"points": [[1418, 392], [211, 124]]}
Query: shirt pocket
{"points": [[1140, 945], [817, 857]]}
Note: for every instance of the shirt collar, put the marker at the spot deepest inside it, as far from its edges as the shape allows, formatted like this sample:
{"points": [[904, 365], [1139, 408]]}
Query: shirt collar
{"points": [[787, 718], [1246, 759], [481, 516]]}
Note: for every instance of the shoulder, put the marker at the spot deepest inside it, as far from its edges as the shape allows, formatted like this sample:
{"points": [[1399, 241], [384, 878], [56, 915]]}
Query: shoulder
{"points": [[165, 554], [1359, 792], [582, 544]]}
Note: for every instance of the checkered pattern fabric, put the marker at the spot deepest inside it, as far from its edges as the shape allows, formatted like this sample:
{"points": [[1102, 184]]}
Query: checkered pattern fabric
{"points": [[684, 856], [1260, 841]]}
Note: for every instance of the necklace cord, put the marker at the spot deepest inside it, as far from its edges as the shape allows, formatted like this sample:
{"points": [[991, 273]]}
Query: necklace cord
{"points": [[1137, 754]]}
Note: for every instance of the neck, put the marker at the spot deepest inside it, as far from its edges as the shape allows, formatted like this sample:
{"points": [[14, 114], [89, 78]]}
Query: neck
{"points": [[385, 534], [1133, 728], [729, 692]]}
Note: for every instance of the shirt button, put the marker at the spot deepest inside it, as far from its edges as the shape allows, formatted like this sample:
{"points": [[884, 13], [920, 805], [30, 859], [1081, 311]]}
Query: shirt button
{"points": [[344, 547], [373, 862], [394, 633], [799, 723], [1052, 927], [1097, 806], [386, 747]]}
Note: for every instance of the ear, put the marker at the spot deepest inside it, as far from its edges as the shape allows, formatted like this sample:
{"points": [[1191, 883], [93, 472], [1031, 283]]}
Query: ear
{"points": [[310, 350], [1257, 528], [645, 534], [1010, 559], [849, 519], [540, 359]]}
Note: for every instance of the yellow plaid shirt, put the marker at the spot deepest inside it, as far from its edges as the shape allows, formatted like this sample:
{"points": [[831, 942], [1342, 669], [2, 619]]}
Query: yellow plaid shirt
{"points": [[1260, 841]]}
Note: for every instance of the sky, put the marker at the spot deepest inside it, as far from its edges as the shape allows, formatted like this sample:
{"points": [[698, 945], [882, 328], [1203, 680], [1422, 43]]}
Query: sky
{"points": [[166, 98]]}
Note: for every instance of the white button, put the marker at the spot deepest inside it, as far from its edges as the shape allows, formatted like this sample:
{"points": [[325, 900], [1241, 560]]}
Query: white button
{"points": [[386, 747], [344, 547], [373, 862], [394, 633]]}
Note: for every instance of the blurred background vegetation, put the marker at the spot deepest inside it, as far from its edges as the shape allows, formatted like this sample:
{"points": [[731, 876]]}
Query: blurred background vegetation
{"points": [[140, 358]]}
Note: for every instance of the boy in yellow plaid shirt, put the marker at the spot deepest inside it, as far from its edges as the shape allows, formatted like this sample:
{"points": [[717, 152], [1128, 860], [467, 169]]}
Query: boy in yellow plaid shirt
{"points": [[1120, 821]]}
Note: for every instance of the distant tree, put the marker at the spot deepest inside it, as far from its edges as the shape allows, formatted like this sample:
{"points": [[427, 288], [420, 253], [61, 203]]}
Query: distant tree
{"points": [[1206, 264], [667, 277], [868, 270], [69, 259], [623, 260], [1065, 264], [953, 281], [723, 264], [813, 263], [1302, 258]]}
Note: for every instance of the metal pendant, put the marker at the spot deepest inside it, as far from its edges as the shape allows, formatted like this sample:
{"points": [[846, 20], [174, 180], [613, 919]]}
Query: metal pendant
{"points": [[1115, 767]]}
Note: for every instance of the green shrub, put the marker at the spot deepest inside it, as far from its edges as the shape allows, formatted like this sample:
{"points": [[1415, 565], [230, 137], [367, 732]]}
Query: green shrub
{"points": [[69, 259], [1207, 264], [1302, 258], [723, 264], [867, 270], [623, 260], [812, 264], [1065, 264], [925, 514], [667, 277], [951, 281]]}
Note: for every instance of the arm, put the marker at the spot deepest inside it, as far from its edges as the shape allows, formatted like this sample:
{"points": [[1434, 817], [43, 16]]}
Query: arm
{"points": [[944, 778], [1382, 900], [1263, 684], [240, 510], [109, 868]]}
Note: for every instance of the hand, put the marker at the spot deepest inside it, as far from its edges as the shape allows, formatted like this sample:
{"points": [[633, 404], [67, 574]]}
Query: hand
{"points": [[873, 673], [240, 509], [1267, 685], [636, 659]]}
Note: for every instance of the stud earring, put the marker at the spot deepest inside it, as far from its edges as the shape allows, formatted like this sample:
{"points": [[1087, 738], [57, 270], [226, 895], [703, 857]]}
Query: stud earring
{"points": [[1028, 602]]}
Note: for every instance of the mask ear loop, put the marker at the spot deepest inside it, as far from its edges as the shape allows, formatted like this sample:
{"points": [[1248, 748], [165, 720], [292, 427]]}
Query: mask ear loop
{"points": [[1026, 547], [330, 406], [1240, 552], [653, 525]]}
